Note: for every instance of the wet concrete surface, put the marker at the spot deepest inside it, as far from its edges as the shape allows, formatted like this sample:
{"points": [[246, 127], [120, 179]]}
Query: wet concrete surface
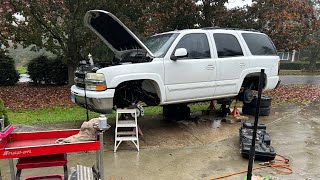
{"points": [[197, 150], [296, 79]]}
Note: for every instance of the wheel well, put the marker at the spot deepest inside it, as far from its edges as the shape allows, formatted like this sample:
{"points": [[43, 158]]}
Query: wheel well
{"points": [[133, 91], [252, 80]]}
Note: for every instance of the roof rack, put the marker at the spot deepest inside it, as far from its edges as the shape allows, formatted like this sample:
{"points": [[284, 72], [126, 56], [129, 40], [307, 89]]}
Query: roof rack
{"points": [[217, 27]]}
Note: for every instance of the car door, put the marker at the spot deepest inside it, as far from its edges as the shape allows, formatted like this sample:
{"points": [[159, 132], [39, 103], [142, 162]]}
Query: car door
{"points": [[190, 78], [230, 63]]}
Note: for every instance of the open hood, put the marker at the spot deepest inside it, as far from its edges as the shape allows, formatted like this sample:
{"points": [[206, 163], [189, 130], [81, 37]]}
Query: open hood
{"points": [[114, 33]]}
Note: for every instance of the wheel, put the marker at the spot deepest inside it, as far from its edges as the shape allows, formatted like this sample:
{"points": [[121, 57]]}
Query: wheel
{"points": [[252, 110], [247, 96], [265, 102]]}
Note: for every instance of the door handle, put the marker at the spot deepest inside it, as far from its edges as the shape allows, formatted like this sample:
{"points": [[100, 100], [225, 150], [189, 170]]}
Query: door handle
{"points": [[210, 67], [242, 65]]}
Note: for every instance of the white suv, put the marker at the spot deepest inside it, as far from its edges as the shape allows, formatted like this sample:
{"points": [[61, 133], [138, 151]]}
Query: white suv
{"points": [[176, 67]]}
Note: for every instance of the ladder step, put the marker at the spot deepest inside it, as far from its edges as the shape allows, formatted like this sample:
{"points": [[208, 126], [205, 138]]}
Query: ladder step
{"points": [[126, 138], [126, 133], [84, 173], [123, 111], [126, 123]]}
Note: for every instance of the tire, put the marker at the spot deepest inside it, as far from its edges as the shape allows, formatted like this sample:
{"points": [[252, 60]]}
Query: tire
{"points": [[265, 102], [249, 110]]}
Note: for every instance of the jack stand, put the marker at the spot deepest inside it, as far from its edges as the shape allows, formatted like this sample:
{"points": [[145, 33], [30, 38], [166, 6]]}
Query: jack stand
{"points": [[211, 107], [235, 112], [224, 110]]}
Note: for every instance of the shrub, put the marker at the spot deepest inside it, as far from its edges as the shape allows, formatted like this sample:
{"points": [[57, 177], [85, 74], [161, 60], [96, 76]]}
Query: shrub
{"points": [[3, 112], [298, 65], [8, 73], [48, 71], [38, 69], [58, 73]]}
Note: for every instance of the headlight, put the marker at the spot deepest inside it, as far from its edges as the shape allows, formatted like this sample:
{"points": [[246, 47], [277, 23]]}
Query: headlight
{"points": [[95, 82], [95, 76]]}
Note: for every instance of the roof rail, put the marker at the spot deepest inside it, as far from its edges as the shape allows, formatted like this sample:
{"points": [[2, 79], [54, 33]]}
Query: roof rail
{"points": [[214, 27], [217, 27]]}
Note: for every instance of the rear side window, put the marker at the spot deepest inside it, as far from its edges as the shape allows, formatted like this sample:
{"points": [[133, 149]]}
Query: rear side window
{"points": [[259, 44], [227, 45], [196, 44]]}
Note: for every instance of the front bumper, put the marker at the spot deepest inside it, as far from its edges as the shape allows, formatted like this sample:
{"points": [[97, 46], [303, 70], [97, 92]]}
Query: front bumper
{"points": [[100, 102]]}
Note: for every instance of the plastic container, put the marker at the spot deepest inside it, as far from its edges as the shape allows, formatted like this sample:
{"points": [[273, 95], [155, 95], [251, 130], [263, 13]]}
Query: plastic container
{"points": [[102, 121]]}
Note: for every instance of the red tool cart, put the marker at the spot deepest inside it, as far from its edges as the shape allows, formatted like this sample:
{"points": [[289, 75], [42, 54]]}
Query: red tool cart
{"points": [[39, 149]]}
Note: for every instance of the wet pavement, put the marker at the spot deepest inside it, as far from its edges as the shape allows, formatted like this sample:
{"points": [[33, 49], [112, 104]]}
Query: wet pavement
{"points": [[197, 150], [295, 79]]}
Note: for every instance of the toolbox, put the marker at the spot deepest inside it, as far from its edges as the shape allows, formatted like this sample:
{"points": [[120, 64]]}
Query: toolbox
{"points": [[263, 149]]}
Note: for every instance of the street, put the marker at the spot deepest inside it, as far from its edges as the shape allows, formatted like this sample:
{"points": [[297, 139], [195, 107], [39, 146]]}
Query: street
{"points": [[295, 79]]}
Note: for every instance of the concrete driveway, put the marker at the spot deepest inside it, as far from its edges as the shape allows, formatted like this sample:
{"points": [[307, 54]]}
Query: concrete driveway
{"points": [[294, 79], [196, 150]]}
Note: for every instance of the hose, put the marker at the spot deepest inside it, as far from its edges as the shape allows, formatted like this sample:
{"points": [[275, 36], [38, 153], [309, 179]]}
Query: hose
{"points": [[281, 165]]}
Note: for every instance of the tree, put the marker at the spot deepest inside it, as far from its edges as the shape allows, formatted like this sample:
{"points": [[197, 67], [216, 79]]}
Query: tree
{"points": [[56, 26], [288, 22], [146, 17], [211, 12]]}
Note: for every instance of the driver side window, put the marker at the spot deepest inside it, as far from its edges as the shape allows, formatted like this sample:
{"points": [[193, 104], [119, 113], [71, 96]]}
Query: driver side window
{"points": [[197, 46]]}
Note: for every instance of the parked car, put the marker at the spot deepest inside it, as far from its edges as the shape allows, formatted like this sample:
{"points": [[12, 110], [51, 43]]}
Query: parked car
{"points": [[176, 67]]}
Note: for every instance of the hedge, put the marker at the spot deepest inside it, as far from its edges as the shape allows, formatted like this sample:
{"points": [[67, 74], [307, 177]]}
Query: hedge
{"points": [[43, 70], [8, 72], [298, 65]]}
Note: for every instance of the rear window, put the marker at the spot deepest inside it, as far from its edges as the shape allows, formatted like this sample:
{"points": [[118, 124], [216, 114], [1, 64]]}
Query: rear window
{"points": [[259, 44]]}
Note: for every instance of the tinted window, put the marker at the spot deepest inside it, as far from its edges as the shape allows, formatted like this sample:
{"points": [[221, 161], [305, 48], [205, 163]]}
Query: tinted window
{"points": [[259, 44], [197, 46], [159, 44], [227, 45]]}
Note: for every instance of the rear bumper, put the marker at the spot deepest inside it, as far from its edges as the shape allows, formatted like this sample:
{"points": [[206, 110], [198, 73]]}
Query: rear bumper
{"points": [[100, 102], [272, 82], [278, 84]]}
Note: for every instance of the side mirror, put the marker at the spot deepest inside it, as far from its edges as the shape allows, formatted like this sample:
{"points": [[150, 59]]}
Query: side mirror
{"points": [[179, 53]]}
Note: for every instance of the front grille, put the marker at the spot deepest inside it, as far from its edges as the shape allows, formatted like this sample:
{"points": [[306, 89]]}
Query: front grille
{"points": [[80, 85], [79, 78], [79, 75]]}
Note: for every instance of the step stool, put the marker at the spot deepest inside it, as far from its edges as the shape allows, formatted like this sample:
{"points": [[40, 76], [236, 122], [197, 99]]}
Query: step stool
{"points": [[126, 135], [42, 161]]}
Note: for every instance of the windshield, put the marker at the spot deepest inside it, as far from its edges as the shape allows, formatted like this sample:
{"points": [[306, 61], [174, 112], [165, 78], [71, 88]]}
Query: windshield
{"points": [[159, 44]]}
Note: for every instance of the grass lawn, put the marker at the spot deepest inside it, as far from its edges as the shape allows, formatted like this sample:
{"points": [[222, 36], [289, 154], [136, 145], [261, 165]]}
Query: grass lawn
{"points": [[298, 72], [22, 70], [67, 114]]}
